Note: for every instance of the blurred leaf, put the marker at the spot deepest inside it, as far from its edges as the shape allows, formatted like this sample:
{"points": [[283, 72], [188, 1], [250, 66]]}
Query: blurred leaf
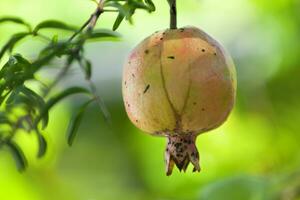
{"points": [[141, 5], [15, 20], [3, 118], [124, 11], [42, 145], [12, 42], [118, 21], [54, 100], [12, 96], [38, 102], [87, 67], [75, 122], [48, 53], [54, 24], [100, 33], [55, 39], [15, 72], [18, 155], [236, 188], [150, 5]]}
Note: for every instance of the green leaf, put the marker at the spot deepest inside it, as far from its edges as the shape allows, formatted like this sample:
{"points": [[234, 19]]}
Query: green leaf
{"points": [[15, 72], [12, 42], [38, 102], [18, 155], [87, 67], [15, 20], [54, 100], [103, 33], [42, 145], [140, 5], [4, 119], [151, 5], [13, 95], [54, 39], [49, 53], [125, 11], [54, 24], [75, 122], [118, 21]]}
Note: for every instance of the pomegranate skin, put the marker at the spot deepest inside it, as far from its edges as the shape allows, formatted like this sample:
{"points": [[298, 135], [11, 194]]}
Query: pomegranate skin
{"points": [[179, 83]]}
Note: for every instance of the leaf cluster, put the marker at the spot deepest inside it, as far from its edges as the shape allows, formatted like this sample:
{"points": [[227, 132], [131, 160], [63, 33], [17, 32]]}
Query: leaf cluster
{"points": [[26, 110]]}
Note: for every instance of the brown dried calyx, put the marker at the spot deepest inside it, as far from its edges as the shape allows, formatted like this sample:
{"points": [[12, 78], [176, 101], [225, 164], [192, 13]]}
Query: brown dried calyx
{"points": [[181, 150]]}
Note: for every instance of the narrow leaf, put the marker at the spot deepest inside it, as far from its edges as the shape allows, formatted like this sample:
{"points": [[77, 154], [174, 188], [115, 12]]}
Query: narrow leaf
{"points": [[103, 33], [18, 155], [15, 20], [54, 100], [42, 145], [4, 119], [118, 21], [87, 66], [150, 5], [12, 42], [75, 122], [54, 24], [38, 102]]}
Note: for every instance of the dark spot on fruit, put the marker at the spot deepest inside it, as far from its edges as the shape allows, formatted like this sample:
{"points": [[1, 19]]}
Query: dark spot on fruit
{"points": [[203, 50], [171, 57], [136, 121], [146, 51], [177, 145], [164, 33], [215, 53], [133, 75], [128, 105], [161, 38], [125, 83], [147, 88], [195, 103], [203, 109], [181, 29]]}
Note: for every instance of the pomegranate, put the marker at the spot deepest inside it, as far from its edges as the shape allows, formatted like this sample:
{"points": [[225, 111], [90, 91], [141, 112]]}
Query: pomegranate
{"points": [[179, 83]]}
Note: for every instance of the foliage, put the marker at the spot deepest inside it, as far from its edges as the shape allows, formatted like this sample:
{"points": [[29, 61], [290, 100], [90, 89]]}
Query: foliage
{"points": [[22, 107]]}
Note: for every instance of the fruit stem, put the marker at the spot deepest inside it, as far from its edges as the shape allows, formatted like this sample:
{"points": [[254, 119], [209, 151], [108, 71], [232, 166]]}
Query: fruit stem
{"points": [[173, 14]]}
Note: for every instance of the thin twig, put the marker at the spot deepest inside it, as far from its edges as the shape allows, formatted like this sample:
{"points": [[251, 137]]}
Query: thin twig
{"points": [[90, 23], [81, 29]]}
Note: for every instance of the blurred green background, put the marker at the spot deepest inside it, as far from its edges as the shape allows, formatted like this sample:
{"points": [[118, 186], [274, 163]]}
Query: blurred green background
{"points": [[255, 155]]}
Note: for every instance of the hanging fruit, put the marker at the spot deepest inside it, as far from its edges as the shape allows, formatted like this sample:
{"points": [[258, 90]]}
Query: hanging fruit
{"points": [[179, 83]]}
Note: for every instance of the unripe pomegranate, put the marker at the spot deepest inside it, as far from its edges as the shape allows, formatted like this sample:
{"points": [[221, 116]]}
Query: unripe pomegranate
{"points": [[179, 83]]}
